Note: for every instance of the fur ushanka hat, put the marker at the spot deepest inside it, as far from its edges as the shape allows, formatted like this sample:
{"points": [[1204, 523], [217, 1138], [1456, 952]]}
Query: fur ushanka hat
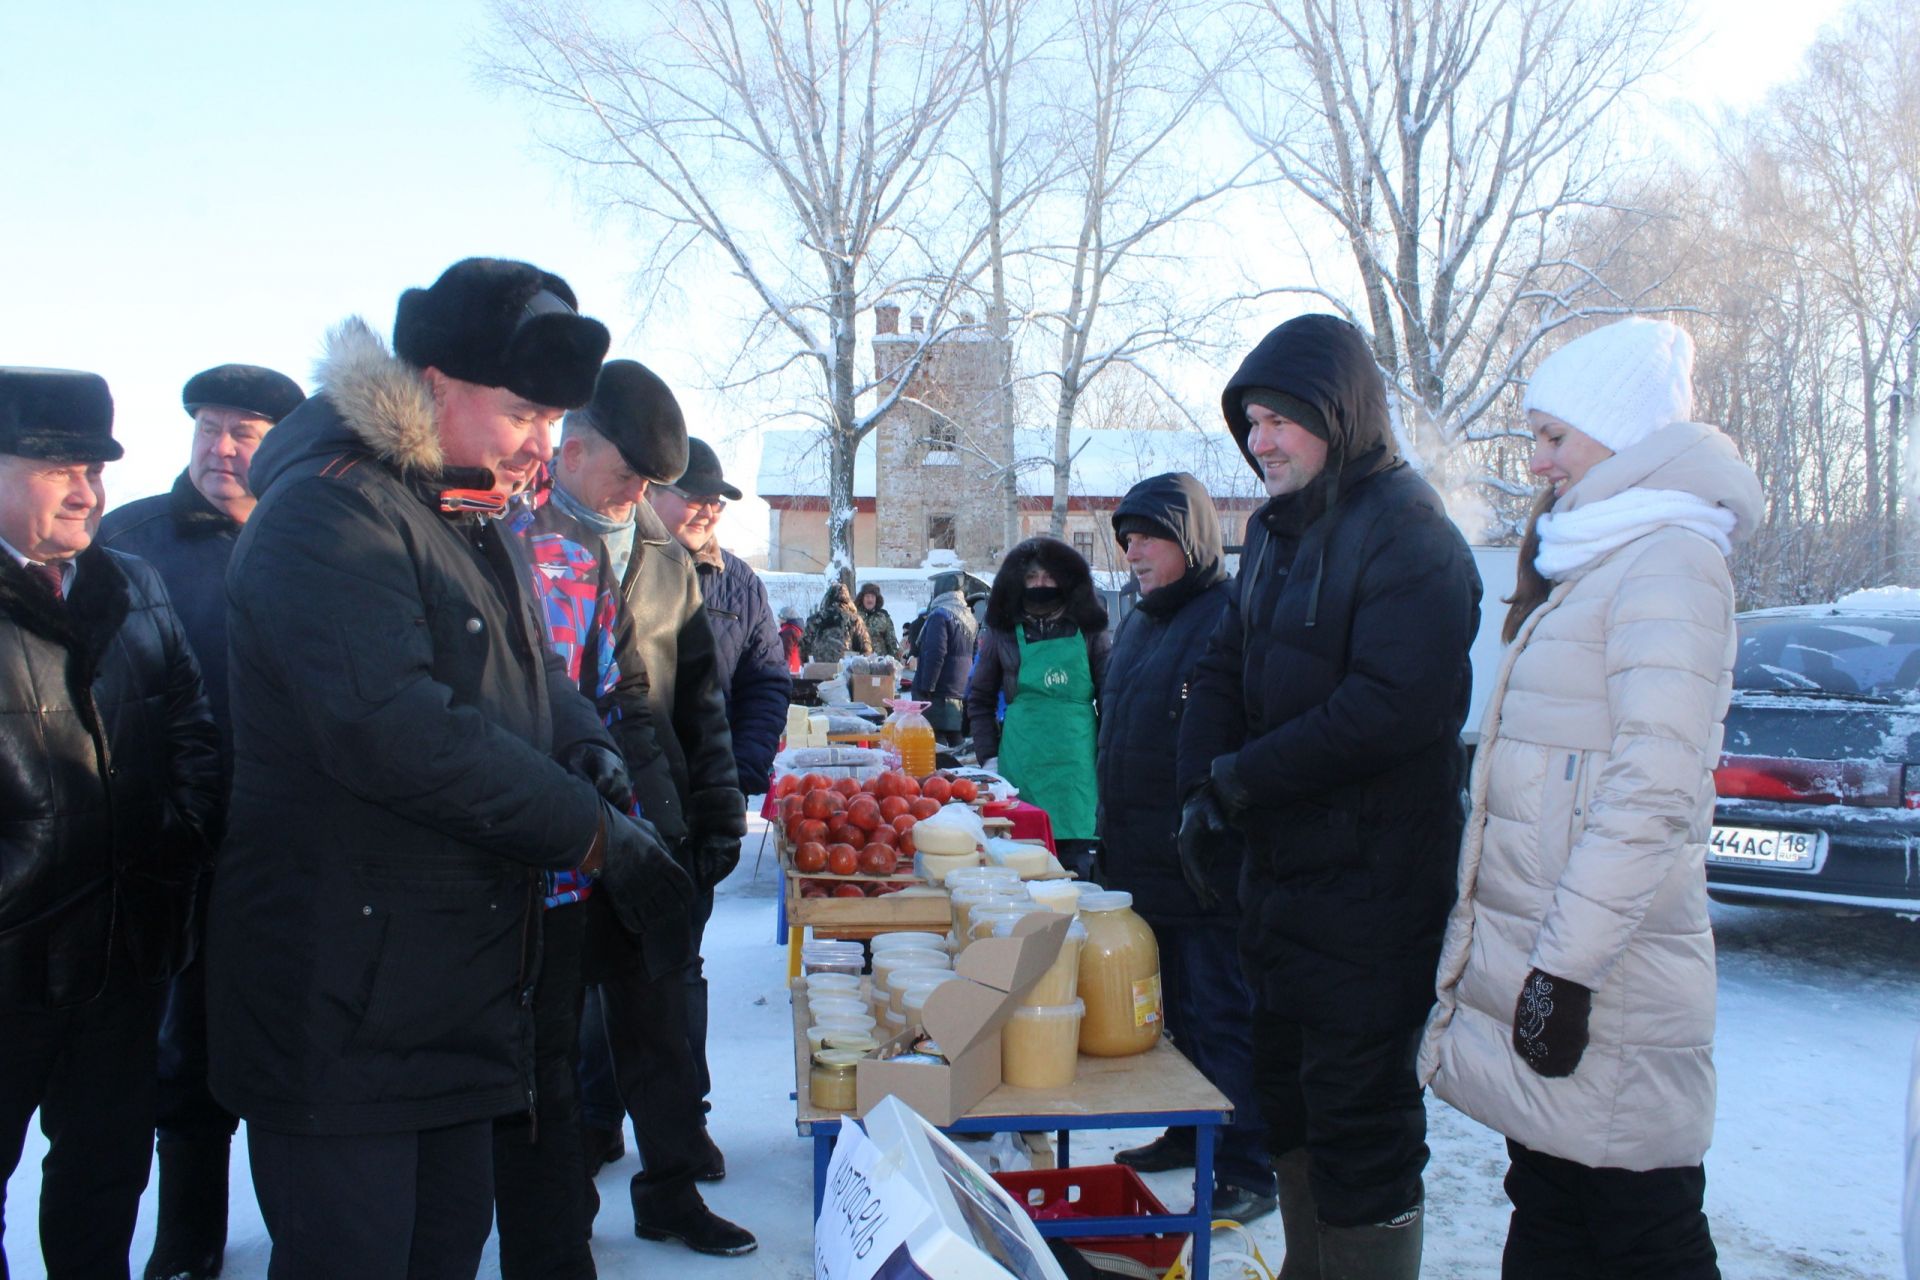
{"points": [[501, 323], [56, 415]]}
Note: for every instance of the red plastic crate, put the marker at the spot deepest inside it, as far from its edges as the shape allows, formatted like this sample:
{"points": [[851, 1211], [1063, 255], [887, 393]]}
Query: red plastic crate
{"points": [[1096, 1191]]}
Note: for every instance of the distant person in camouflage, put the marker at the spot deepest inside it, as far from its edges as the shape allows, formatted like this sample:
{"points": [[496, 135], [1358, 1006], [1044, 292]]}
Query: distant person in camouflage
{"points": [[873, 612], [835, 629]]}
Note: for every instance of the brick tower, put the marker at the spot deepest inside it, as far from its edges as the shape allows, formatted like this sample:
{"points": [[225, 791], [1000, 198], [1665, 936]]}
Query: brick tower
{"points": [[941, 478]]}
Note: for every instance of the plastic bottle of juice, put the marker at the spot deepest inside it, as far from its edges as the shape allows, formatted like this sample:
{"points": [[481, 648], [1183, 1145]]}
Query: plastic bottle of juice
{"points": [[911, 736]]}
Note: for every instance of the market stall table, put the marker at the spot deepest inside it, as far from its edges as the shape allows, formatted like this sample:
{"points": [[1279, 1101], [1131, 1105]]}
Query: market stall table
{"points": [[1149, 1090]]}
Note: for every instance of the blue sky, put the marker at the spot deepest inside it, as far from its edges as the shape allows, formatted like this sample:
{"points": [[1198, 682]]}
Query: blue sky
{"points": [[196, 182]]}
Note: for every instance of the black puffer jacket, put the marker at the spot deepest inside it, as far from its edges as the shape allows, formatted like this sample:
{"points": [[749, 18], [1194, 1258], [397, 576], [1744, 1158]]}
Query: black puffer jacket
{"points": [[1336, 685], [109, 780], [1155, 651], [996, 666], [396, 714], [189, 541]]}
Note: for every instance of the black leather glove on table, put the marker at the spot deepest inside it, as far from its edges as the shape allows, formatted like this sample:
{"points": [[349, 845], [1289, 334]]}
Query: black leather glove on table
{"points": [[602, 767], [1550, 1023], [642, 882]]}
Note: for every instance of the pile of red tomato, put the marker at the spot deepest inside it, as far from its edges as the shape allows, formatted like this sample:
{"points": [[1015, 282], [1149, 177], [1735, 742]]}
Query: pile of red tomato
{"points": [[849, 828]]}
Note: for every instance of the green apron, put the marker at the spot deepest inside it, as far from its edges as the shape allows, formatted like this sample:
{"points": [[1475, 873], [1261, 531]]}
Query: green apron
{"points": [[1046, 746]]}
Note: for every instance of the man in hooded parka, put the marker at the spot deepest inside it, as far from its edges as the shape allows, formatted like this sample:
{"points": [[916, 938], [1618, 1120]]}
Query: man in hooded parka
{"points": [[1323, 727]]}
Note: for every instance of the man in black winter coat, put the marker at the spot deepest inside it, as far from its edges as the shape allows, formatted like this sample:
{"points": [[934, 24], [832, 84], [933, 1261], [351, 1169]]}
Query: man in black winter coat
{"points": [[1323, 726], [1170, 534], [109, 765], [187, 534], [409, 757]]}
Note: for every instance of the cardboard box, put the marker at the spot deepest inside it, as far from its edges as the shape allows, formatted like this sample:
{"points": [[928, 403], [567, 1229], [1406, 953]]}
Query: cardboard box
{"points": [[874, 690], [819, 671], [965, 1017]]}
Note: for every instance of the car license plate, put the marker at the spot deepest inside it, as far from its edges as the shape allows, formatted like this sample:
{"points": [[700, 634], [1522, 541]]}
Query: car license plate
{"points": [[1758, 846]]}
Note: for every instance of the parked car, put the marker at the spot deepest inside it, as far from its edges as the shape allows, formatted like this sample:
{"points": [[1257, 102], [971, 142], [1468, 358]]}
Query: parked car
{"points": [[1819, 786]]}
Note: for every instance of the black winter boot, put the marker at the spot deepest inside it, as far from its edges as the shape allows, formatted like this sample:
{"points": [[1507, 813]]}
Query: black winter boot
{"points": [[190, 1239], [1299, 1217], [1383, 1251], [1171, 1150], [684, 1216]]}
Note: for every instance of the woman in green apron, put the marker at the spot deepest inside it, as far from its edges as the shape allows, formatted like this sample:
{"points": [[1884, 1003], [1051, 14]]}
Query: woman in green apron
{"points": [[1044, 651]]}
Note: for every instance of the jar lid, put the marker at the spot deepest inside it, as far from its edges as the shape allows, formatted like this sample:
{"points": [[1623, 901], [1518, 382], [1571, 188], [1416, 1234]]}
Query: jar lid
{"points": [[901, 979], [913, 958], [1044, 1012], [837, 1059], [849, 1041], [884, 942], [1105, 900]]}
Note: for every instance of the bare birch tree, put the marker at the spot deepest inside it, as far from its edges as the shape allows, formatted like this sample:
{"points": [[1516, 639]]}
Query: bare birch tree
{"points": [[796, 141], [1444, 141]]}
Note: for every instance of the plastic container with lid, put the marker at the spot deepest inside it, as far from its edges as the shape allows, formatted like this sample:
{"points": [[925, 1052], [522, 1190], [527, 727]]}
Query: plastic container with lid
{"points": [[913, 998], [1060, 984], [822, 985], [840, 1024], [905, 982], [903, 958], [1057, 895], [977, 877], [827, 1006], [884, 942], [982, 919], [832, 957], [967, 901], [1119, 978], [831, 1081], [1040, 1045]]}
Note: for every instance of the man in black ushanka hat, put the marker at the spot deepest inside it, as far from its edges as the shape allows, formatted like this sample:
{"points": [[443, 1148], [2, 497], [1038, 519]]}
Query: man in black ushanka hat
{"points": [[408, 752], [188, 535], [99, 862]]}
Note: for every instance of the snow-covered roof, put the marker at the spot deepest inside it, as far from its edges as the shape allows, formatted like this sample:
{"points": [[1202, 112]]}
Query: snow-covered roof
{"points": [[1869, 600], [1106, 462]]}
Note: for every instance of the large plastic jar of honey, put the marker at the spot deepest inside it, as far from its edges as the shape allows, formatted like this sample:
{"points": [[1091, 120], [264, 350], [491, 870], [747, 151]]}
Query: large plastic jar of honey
{"points": [[1119, 978]]}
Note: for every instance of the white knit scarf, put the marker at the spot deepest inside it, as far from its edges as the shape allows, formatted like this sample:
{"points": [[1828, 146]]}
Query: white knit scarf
{"points": [[1572, 540]]}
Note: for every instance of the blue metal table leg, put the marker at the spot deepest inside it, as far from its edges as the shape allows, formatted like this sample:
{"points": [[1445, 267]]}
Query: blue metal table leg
{"points": [[1064, 1157], [1203, 1140], [822, 1156], [780, 917]]}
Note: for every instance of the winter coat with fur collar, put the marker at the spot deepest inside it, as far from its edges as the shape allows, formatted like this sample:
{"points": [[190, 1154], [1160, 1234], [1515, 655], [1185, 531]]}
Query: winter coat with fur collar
{"points": [[1592, 794], [109, 767], [396, 717]]}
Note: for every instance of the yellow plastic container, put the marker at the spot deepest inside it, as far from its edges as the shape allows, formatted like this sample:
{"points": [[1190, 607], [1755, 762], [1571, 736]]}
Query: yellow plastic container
{"points": [[1040, 1047], [1119, 978]]}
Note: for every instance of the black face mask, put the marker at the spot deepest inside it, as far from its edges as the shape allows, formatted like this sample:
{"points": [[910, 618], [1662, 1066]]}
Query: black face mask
{"points": [[1041, 599]]}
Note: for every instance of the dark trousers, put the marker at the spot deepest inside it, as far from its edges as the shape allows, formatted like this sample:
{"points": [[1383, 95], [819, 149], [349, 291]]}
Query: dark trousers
{"points": [[697, 996], [1210, 1018], [654, 1070], [1354, 1103], [1571, 1222], [539, 1174], [89, 1070], [375, 1206], [188, 1111]]}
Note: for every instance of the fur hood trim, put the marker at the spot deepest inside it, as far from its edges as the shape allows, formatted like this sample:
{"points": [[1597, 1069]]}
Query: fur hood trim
{"points": [[383, 400]]}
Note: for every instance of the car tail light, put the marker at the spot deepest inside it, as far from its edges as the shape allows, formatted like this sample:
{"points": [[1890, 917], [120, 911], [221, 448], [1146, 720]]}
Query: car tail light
{"points": [[1910, 786], [1865, 783]]}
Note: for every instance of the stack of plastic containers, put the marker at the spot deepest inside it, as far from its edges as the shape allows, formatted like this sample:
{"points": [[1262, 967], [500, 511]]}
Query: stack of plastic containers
{"points": [[1040, 1045]]}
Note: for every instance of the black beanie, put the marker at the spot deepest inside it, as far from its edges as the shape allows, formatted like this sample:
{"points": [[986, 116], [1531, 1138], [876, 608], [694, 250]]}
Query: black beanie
{"points": [[632, 407], [1291, 407], [1131, 522], [500, 323], [250, 388]]}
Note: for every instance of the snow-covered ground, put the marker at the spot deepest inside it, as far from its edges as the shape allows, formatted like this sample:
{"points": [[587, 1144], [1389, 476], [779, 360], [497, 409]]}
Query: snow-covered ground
{"points": [[1817, 1016]]}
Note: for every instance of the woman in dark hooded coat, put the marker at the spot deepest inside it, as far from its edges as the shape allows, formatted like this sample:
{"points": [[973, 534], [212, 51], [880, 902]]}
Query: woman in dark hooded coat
{"points": [[1044, 619], [835, 629]]}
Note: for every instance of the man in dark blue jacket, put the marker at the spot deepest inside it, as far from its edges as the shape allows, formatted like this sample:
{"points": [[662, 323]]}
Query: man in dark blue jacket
{"points": [[187, 534], [943, 657], [1171, 536], [747, 656]]}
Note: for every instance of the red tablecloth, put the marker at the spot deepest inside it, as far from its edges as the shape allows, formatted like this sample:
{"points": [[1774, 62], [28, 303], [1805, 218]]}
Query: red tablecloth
{"points": [[1030, 821]]}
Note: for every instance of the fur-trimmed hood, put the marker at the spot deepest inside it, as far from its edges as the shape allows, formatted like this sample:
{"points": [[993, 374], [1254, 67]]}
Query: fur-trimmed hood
{"points": [[369, 399]]}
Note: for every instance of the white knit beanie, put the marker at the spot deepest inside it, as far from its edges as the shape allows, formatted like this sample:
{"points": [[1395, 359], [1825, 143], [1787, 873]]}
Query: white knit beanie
{"points": [[1619, 384]]}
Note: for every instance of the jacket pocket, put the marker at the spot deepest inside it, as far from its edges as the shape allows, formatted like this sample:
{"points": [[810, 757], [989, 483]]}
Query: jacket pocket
{"points": [[1563, 810], [1302, 841]]}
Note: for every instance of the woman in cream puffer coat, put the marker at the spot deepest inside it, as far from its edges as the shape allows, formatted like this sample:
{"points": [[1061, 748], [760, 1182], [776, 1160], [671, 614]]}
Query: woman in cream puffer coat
{"points": [[1576, 984]]}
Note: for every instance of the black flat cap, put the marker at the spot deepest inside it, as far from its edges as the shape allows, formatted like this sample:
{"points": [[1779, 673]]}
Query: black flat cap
{"points": [[250, 388], [501, 323], [702, 476], [632, 407], [56, 415]]}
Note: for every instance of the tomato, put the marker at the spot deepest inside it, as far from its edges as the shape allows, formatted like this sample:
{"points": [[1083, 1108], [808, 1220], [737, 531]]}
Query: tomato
{"points": [[809, 829], [847, 889], [815, 782], [888, 784], [965, 791], [908, 787], [845, 833], [904, 823], [813, 889], [836, 803], [842, 859], [905, 848], [876, 860], [936, 789], [792, 827], [811, 856], [847, 787], [871, 787], [787, 786], [816, 805], [893, 806], [864, 813], [925, 807], [790, 808], [883, 834]]}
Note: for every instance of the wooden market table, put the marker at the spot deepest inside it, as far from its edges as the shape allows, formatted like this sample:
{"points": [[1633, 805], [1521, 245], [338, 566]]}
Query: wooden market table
{"points": [[1156, 1088]]}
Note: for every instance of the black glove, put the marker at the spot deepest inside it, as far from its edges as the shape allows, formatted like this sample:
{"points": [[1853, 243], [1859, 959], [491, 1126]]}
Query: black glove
{"points": [[1203, 824], [643, 884], [1550, 1023], [714, 858], [1233, 799], [603, 767]]}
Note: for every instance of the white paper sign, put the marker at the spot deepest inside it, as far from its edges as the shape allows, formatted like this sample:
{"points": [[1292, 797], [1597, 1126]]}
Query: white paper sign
{"points": [[867, 1212]]}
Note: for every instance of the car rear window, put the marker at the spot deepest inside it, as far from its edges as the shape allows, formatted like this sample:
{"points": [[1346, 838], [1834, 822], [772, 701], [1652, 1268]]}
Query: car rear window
{"points": [[1870, 655]]}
